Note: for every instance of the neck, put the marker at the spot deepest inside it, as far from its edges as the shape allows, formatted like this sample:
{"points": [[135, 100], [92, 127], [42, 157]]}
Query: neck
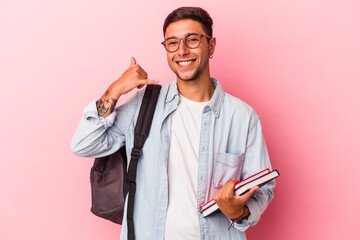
{"points": [[198, 90]]}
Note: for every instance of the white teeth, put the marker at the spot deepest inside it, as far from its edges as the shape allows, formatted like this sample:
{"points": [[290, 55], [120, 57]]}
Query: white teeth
{"points": [[185, 63]]}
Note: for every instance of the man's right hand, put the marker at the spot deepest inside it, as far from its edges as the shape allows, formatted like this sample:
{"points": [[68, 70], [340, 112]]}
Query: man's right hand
{"points": [[133, 77]]}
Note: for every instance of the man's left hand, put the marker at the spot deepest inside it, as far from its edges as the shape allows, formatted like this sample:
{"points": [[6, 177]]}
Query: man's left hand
{"points": [[233, 206]]}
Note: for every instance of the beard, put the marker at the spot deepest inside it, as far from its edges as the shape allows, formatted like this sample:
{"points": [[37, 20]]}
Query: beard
{"points": [[198, 71], [195, 76]]}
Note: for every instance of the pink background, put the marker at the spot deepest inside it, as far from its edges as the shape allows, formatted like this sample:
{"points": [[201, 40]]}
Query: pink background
{"points": [[296, 62]]}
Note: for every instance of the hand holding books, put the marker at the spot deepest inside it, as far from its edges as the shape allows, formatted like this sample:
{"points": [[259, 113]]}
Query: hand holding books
{"points": [[240, 188], [231, 205]]}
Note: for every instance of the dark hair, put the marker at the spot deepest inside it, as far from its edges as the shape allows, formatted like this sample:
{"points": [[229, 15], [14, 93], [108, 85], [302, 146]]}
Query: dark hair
{"points": [[194, 13]]}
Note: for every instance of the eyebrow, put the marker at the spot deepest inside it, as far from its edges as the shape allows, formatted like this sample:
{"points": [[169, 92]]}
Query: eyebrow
{"points": [[174, 37]]}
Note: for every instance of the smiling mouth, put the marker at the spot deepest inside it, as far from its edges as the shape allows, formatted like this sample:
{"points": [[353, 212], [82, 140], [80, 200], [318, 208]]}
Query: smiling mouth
{"points": [[185, 63]]}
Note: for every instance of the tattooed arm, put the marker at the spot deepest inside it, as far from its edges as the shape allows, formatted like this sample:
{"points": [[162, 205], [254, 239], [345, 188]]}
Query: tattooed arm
{"points": [[133, 77], [91, 138], [106, 105]]}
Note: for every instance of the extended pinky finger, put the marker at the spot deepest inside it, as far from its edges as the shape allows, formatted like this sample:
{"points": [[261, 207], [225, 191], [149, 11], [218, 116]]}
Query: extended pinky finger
{"points": [[147, 81]]}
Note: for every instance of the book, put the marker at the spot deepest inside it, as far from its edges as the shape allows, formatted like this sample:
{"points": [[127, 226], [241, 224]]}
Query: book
{"points": [[258, 179], [239, 184]]}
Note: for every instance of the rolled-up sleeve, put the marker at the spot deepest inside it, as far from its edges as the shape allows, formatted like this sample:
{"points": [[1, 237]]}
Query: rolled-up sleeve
{"points": [[97, 136], [256, 160]]}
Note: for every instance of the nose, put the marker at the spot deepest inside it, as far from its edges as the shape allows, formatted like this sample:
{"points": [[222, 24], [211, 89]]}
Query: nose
{"points": [[183, 49]]}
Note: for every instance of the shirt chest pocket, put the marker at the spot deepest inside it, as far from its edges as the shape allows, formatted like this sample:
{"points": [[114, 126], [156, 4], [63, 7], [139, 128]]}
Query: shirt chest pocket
{"points": [[227, 167]]}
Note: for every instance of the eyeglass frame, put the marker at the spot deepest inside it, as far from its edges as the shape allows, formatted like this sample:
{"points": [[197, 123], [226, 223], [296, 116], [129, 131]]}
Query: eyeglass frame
{"points": [[183, 38]]}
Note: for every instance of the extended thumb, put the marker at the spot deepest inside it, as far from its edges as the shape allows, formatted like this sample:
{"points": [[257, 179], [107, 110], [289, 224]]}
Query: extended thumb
{"points": [[133, 61]]}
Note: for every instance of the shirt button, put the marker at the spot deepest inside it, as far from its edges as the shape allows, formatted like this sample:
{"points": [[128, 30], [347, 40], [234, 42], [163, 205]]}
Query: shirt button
{"points": [[167, 109], [160, 217], [216, 113], [205, 123], [162, 190], [203, 149]]}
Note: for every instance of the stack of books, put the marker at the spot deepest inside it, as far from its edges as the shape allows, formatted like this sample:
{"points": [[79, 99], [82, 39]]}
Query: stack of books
{"points": [[258, 179]]}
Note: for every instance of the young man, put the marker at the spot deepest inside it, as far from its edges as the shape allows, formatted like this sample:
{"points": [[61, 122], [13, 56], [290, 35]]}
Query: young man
{"points": [[200, 142]]}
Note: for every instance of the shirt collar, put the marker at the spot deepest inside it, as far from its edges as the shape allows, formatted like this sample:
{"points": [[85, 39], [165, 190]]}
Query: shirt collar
{"points": [[173, 91], [215, 102], [217, 98]]}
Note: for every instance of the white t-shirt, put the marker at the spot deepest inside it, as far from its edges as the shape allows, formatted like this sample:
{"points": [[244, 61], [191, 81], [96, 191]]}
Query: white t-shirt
{"points": [[182, 220]]}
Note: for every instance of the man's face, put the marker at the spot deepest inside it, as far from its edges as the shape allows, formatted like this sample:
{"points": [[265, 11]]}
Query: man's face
{"points": [[189, 64]]}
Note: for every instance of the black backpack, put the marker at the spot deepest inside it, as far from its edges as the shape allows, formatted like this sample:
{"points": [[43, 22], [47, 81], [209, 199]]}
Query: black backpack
{"points": [[109, 181]]}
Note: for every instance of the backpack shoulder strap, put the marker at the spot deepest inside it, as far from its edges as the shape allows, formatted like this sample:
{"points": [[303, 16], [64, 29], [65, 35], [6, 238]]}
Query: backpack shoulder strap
{"points": [[142, 130]]}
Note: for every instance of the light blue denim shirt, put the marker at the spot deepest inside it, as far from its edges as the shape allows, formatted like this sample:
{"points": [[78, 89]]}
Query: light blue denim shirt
{"points": [[232, 146]]}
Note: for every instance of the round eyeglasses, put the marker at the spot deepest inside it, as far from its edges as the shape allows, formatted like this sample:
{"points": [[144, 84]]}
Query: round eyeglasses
{"points": [[191, 40]]}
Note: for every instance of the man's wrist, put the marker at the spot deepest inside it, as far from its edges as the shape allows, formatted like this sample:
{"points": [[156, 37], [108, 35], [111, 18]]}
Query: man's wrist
{"points": [[244, 214]]}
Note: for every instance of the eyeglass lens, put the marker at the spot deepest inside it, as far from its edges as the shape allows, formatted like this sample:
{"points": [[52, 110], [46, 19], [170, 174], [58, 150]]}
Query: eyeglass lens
{"points": [[191, 41]]}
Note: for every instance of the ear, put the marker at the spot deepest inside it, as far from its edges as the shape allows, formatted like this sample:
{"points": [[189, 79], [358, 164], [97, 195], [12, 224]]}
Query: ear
{"points": [[212, 44]]}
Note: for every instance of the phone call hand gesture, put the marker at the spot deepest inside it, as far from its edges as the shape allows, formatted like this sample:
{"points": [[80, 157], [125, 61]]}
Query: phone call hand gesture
{"points": [[133, 77]]}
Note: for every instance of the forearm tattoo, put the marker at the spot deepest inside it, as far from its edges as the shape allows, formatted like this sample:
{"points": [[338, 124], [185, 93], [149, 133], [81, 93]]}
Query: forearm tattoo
{"points": [[105, 105]]}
